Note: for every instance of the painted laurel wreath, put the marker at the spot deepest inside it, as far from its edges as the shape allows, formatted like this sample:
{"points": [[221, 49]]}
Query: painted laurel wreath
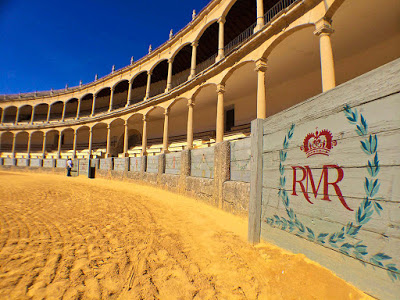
{"points": [[342, 240]]}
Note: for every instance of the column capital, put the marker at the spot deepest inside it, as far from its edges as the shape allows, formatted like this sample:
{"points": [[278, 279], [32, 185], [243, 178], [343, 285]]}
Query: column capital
{"points": [[149, 72], [112, 88], [323, 27], [126, 123], [221, 20], [170, 60], [261, 65], [108, 126], [220, 88], [190, 103], [91, 129], [195, 43], [144, 118], [166, 112]]}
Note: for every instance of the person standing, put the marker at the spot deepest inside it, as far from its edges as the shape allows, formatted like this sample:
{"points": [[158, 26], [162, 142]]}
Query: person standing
{"points": [[70, 164]]}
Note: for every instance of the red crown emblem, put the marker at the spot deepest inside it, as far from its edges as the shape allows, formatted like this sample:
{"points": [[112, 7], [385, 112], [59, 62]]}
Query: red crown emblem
{"points": [[318, 143]]}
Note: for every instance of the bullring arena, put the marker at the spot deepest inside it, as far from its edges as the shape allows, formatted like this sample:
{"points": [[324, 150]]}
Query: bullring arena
{"points": [[269, 122]]}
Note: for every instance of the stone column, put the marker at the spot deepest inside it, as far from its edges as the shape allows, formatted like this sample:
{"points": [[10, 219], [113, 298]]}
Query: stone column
{"points": [[29, 145], [108, 153], [169, 77], [78, 111], [190, 125], [63, 112], [14, 145], [323, 31], [261, 67], [44, 145], [220, 113], [90, 142], [93, 105], [221, 45], [2, 116], [165, 135], [144, 136], [260, 15], [128, 100], [193, 63], [33, 115], [16, 117], [126, 139], [74, 146], [59, 145], [111, 99], [148, 85], [48, 114]]}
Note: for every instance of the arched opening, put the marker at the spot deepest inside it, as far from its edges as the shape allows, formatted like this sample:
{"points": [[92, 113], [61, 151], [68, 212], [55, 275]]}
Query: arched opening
{"points": [[177, 127], [56, 111], [135, 134], [82, 142], [117, 137], [21, 144], [67, 143], [121, 94], [99, 142], [139, 88], [103, 100], [86, 105], [36, 144], [294, 72], [205, 113], [359, 47], [208, 48], [181, 66], [240, 99], [10, 113], [155, 129], [71, 107], [41, 111], [159, 78], [6, 141], [25, 114], [51, 148]]}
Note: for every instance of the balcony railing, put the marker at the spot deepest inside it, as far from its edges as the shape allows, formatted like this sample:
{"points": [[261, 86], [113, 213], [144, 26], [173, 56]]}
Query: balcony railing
{"points": [[276, 9], [239, 40]]}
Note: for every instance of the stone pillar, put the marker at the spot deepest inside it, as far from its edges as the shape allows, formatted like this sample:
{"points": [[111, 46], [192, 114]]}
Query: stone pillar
{"points": [[220, 113], [48, 114], [108, 153], [260, 15], [63, 112], [323, 31], [2, 116], [190, 125], [29, 145], [185, 169], [165, 135], [261, 67], [93, 105], [221, 44], [222, 162], [78, 111], [111, 99], [17, 117], [74, 146], [144, 136], [128, 100], [90, 142], [169, 77], [193, 62], [44, 145], [59, 145], [33, 115], [126, 139], [14, 145], [148, 85]]}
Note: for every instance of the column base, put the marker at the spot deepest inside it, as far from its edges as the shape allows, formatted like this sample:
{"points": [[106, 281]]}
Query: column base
{"points": [[125, 155]]}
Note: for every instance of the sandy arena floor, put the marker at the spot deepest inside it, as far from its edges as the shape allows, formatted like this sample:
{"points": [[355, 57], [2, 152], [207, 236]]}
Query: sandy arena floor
{"points": [[76, 238]]}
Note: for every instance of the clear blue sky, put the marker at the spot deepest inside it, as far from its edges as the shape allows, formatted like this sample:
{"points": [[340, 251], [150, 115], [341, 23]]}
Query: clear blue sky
{"points": [[46, 44]]}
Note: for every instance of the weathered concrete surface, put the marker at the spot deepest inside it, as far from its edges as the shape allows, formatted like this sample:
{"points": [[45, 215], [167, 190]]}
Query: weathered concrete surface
{"points": [[236, 197]]}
